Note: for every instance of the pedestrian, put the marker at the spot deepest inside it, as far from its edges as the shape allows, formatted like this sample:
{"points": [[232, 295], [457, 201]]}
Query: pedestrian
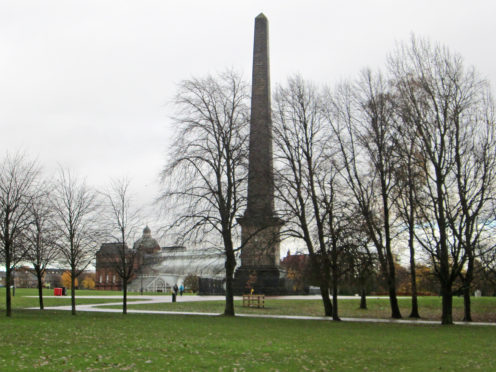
{"points": [[181, 289], [174, 292]]}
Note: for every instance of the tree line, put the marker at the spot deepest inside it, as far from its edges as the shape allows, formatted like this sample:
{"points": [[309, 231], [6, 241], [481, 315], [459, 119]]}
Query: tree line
{"points": [[61, 221], [403, 157]]}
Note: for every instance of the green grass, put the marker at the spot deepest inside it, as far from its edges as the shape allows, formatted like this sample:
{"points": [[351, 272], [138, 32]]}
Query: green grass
{"points": [[23, 298], [57, 341], [483, 308]]}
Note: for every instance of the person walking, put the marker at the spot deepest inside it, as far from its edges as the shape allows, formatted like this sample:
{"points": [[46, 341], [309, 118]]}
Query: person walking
{"points": [[181, 289], [174, 292]]}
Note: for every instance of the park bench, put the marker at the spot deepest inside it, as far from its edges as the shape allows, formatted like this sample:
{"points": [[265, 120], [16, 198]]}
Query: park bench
{"points": [[253, 300]]}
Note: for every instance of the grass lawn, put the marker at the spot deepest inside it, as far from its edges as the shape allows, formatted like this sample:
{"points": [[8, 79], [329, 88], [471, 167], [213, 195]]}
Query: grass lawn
{"points": [[483, 308], [57, 341], [23, 298]]}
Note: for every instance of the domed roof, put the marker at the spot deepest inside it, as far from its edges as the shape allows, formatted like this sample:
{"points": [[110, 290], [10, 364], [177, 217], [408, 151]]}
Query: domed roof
{"points": [[146, 243]]}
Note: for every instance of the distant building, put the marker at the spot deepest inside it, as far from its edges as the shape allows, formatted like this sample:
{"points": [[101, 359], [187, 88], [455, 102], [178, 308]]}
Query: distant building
{"points": [[146, 244], [157, 268], [24, 277], [53, 277], [300, 273], [106, 259]]}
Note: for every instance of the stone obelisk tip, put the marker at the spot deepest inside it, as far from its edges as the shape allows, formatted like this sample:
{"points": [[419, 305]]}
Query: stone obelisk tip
{"points": [[260, 174]]}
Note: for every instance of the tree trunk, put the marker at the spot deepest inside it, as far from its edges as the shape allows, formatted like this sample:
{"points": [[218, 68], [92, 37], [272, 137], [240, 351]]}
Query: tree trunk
{"points": [[444, 259], [447, 307], [467, 282], [467, 314], [390, 272], [325, 280], [230, 265], [363, 298], [73, 292], [411, 232], [415, 313], [40, 288], [335, 275], [8, 299], [324, 291], [388, 269], [335, 315], [413, 276], [395, 309], [124, 296]]}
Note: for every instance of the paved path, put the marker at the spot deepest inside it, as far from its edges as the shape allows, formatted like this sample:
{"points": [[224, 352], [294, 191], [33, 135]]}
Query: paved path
{"points": [[146, 299]]}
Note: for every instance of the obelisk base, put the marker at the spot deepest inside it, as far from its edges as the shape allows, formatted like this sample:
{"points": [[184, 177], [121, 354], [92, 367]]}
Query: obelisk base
{"points": [[270, 281], [260, 262]]}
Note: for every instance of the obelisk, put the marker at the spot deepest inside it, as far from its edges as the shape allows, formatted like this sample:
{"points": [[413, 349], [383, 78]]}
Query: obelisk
{"points": [[260, 175], [259, 226]]}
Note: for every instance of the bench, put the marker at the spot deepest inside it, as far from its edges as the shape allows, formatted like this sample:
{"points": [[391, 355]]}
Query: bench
{"points": [[253, 300]]}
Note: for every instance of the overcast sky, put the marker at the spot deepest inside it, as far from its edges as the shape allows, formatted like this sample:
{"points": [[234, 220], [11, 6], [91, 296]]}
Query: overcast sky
{"points": [[87, 84]]}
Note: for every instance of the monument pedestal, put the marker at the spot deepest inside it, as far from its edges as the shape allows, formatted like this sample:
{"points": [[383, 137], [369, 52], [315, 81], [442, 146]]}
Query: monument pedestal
{"points": [[260, 259], [270, 281]]}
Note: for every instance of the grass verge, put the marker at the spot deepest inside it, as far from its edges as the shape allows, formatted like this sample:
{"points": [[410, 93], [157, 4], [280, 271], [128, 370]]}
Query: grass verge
{"points": [[57, 341], [24, 298], [483, 308]]}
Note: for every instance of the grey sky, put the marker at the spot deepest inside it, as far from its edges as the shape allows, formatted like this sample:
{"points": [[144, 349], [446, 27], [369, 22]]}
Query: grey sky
{"points": [[85, 84]]}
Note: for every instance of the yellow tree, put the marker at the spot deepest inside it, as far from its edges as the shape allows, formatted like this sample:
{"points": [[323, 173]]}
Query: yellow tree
{"points": [[66, 280], [88, 282]]}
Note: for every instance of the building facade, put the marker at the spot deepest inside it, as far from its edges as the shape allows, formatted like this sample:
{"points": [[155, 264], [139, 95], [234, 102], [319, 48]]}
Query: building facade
{"points": [[157, 269]]}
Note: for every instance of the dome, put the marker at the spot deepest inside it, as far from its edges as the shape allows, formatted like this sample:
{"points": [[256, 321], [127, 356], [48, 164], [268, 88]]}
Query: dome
{"points": [[146, 244], [147, 231]]}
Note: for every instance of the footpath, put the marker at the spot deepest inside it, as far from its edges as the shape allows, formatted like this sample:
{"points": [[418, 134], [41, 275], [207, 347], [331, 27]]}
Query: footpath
{"points": [[138, 300]]}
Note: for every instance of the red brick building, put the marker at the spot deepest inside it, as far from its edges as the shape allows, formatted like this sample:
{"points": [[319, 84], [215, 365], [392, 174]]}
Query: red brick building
{"points": [[108, 257]]}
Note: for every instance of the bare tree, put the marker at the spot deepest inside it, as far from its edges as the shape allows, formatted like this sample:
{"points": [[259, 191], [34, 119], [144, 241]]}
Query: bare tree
{"points": [[310, 188], [206, 175], [475, 171], [409, 177], [300, 137], [444, 103], [362, 264], [40, 236], [363, 123], [123, 218], [340, 230], [75, 206], [18, 178]]}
